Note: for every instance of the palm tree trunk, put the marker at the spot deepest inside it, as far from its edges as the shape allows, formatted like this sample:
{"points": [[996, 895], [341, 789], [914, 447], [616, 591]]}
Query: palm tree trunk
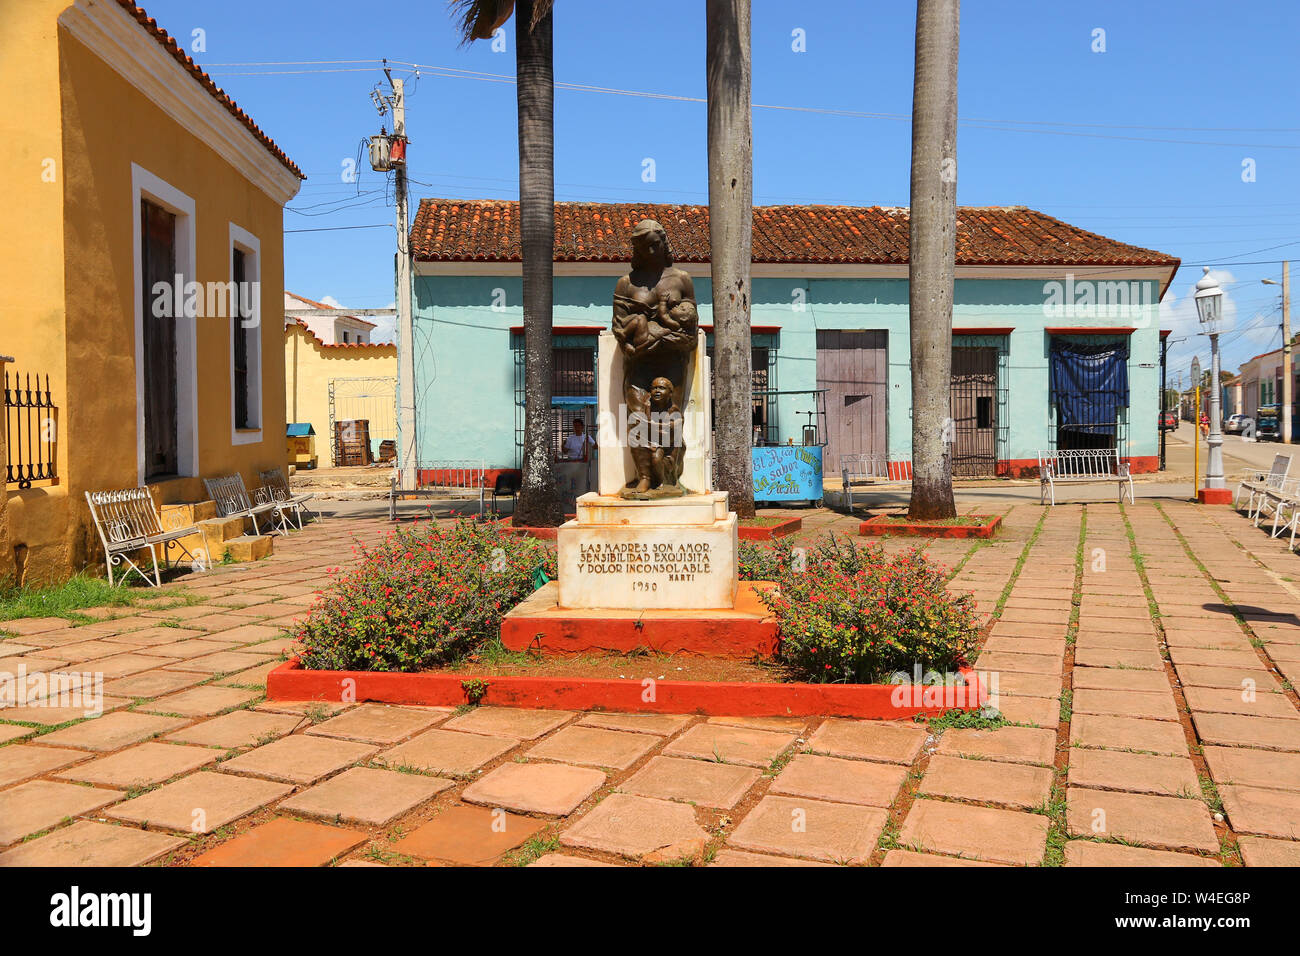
{"points": [[933, 255], [539, 501], [731, 217]]}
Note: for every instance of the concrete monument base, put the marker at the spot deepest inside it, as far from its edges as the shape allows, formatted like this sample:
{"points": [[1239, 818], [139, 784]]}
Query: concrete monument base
{"points": [[672, 554]]}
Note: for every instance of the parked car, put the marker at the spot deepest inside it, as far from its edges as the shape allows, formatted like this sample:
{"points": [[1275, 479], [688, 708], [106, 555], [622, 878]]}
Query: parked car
{"points": [[1238, 423], [1168, 421]]}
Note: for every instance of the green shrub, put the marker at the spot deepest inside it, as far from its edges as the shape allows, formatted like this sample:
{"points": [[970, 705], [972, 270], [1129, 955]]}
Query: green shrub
{"points": [[852, 614], [423, 597]]}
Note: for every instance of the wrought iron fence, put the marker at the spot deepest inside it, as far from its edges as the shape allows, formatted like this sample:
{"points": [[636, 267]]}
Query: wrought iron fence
{"points": [[31, 431]]}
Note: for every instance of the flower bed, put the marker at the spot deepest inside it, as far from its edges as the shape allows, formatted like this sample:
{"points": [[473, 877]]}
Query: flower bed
{"points": [[965, 526], [414, 622]]}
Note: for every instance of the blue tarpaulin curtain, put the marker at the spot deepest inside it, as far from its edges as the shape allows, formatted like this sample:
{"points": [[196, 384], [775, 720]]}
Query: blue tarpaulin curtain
{"points": [[1089, 384]]}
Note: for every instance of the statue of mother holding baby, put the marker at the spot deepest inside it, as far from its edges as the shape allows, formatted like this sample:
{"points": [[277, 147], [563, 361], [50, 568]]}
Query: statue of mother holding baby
{"points": [[655, 323]]}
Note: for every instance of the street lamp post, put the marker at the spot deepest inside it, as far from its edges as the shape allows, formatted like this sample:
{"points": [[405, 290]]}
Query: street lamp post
{"points": [[1209, 309]]}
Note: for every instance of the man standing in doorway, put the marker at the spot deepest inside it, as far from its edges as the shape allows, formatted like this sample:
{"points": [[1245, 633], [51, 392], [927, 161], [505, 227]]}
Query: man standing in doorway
{"points": [[577, 446]]}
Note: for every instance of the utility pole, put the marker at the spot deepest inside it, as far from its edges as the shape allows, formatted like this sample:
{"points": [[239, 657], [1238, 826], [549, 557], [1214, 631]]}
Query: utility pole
{"points": [[406, 440], [1286, 349]]}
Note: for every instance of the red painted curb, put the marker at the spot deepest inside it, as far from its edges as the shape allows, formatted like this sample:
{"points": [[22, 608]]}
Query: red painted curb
{"points": [[769, 532], [877, 701], [1214, 496], [880, 525]]}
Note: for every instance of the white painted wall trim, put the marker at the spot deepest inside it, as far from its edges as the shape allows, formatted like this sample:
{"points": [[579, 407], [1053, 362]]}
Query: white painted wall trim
{"points": [[145, 185], [112, 34], [252, 249]]}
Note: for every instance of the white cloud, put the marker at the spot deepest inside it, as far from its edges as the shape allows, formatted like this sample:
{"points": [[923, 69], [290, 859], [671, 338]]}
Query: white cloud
{"points": [[385, 329]]}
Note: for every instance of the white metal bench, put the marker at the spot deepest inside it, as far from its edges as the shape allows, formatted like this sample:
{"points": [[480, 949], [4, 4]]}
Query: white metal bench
{"points": [[127, 521], [277, 488], [1082, 466], [874, 469], [1262, 483], [442, 479], [232, 501]]}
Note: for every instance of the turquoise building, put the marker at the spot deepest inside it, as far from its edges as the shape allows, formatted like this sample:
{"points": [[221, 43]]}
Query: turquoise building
{"points": [[1056, 341]]}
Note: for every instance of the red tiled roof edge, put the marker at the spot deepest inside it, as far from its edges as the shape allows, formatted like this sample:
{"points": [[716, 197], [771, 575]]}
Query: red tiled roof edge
{"points": [[459, 230], [337, 345], [168, 43]]}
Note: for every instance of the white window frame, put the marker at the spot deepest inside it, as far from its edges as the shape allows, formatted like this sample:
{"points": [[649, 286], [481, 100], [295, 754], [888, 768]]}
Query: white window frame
{"points": [[251, 247], [145, 185]]}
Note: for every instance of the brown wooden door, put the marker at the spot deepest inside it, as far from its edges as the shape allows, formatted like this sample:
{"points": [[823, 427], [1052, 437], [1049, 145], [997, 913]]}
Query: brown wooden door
{"points": [[852, 367], [974, 411], [158, 264]]}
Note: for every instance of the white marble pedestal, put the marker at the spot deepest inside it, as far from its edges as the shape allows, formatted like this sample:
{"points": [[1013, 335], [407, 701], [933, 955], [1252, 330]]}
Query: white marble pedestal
{"points": [[673, 553]]}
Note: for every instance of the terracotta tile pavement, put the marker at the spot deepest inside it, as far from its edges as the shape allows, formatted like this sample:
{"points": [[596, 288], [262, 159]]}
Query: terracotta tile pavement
{"points": [[1139, 726]]}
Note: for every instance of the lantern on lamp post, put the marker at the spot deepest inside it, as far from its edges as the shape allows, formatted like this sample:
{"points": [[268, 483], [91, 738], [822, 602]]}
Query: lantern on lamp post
{"points": [[1209, 309]]}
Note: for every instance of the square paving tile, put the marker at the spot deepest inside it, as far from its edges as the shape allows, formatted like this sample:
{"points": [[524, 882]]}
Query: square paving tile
{"points": [[112, 731], [1036, 711], [240, 728], [1090, 853], [141, 766], [10, 732], [724, 744], [200, 803], [378, 724], [1274, 813], [553, 789], [663, 725], [23, 761], [222, 662], [987, 781], [981, 833], [1137, 773], [1125, 703], [1012, 744], [513, 722], [1171, 823], [40, 804], [594, 747], [868, 740], [1127, 733], [446, 751], [201, 701], [283, 842], [1234, 730], [1258, 851], [840, 781], [90, 843], [470, 836], [633, 827], [370, 797], [150, 683], [1220, 700], [1250, 768], [152, 636], [299, 759], [910, 858], [701, 782], [739, 858], [793, 826]]}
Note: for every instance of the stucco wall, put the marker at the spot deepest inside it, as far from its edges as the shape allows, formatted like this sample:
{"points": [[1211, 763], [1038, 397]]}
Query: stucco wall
{"points": [[67, 277], [308, 368], [465, 368]]}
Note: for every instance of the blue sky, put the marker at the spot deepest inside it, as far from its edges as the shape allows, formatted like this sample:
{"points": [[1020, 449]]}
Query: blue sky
{"points": [[1144, 142]]}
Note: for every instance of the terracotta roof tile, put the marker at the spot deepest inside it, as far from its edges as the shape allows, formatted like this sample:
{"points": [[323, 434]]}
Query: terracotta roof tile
{"points": [[487, 230], [168, 43]]}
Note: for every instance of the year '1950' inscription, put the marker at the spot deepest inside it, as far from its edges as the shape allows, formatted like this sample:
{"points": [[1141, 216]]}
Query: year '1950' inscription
{"points": [[678, 562]]}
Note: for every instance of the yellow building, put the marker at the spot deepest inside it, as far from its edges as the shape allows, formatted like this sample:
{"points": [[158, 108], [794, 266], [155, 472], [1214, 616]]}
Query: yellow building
{"points": [[337, 382], [143, 246]]}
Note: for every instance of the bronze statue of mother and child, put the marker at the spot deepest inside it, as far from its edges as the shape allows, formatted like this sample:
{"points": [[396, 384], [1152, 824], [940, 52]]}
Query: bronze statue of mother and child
{"points": [[655, 323]]}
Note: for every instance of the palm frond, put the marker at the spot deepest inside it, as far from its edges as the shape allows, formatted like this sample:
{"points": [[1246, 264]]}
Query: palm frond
{"points": [[478, 19]]}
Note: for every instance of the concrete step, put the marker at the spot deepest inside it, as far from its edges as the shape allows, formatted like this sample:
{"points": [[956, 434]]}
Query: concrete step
{"points": [[245, 548]]}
